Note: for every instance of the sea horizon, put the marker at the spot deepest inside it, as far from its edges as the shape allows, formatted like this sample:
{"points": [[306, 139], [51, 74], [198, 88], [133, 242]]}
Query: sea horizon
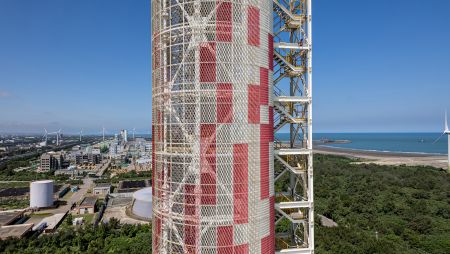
{"points": [[387, 142]]}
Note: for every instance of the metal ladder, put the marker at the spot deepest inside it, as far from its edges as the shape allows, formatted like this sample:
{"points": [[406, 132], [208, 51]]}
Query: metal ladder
{"points": [[294, 204]]}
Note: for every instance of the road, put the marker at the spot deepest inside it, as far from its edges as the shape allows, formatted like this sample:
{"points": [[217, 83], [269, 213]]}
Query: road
{"points": [[77, 196]]}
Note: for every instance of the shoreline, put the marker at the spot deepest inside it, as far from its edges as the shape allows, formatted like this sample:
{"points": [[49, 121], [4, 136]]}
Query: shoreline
{"points": [[374, 152], [386, 158]]}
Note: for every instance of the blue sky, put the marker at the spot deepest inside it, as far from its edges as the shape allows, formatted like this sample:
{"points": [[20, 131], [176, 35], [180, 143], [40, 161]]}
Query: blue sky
{"points": [[378, 65]]}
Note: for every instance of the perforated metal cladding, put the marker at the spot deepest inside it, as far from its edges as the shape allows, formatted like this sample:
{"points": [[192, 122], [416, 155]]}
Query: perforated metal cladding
{"points": [[212, 127]]}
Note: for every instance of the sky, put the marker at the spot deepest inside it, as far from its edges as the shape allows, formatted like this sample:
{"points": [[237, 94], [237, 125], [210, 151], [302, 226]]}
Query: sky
{"points": [[379, 66]]}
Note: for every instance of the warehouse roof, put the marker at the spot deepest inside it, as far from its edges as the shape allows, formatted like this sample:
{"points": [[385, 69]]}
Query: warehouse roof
{"points": [[7, 218], [52, 222], [14, 231], [88, 202], [103, 185]]}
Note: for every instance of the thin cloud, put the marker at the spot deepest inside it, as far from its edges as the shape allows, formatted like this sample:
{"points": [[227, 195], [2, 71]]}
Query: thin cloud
{"points": [[4, 94]]}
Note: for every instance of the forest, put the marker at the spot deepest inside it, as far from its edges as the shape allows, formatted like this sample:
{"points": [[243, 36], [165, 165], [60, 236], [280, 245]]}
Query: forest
{"points": [[106, 238], [379, 209]]}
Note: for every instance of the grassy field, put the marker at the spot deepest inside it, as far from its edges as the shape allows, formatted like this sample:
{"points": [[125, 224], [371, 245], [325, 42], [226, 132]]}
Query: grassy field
{"points": [[7, 204], [12, 184], [67, 196], [88, 218]]}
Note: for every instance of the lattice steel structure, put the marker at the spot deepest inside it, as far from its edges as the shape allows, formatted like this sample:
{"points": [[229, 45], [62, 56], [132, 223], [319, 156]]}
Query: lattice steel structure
{"points": [[213, 148], [293, 110]]}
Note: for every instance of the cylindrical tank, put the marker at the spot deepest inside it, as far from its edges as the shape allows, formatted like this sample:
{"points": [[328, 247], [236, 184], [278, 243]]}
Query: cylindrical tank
{"points": [[212, 127], [41, 194], [142, 203]]}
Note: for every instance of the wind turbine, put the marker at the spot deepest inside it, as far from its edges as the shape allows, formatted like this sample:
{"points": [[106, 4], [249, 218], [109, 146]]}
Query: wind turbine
{"points": [[58, 137], [446, 132], [57, 133], [45, 136], [81, 133]]}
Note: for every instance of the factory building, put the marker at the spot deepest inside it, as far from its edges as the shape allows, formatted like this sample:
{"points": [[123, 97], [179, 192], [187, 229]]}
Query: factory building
{"points": [[101, 189], [47, 162], [53, 161], [87, 206], [124, 135], [96, 149], [88, 158], [212, 111]]}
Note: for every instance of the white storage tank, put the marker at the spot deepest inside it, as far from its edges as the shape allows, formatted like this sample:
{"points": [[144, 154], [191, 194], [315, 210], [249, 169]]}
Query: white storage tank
{"points": [[41, 194], [142, 203]]}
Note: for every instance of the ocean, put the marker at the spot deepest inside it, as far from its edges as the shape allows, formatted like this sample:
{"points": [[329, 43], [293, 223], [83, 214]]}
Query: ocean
{"points": [[384, 142]]}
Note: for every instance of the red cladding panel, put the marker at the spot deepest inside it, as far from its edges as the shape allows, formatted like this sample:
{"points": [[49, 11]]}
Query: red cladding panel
{"points": [[208, 163], [253, 104], [266, 132], [264, 173], [208, 62], [159, 176], [157, 232], [253, 26], [160, 126], [264, 83], [241, 249], [208, 187], [156, 51], [267, 244], [224, 25], [158, 226], [224, 96], [240, 183], [224, 239], [270, 52], [190, 229], [189, 200], [190, 237]]}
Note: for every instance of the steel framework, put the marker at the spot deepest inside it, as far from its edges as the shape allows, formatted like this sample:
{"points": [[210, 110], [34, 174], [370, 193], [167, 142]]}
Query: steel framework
{"points": [[293, 110]]}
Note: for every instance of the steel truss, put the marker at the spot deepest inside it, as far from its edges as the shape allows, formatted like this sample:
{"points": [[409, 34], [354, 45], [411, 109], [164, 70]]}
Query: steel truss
{"points": [[293, 110]]}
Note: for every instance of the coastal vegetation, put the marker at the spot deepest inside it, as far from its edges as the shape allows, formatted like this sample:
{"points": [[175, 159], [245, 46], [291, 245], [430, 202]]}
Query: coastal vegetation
{"points": [[381, 209]]}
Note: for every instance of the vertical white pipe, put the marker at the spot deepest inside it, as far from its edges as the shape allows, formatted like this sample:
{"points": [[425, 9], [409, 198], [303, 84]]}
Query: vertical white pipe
{"points": [[310, 138]]}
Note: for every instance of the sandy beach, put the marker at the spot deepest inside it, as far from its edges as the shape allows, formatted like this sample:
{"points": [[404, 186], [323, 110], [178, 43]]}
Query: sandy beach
{"points": [[387, 158]]}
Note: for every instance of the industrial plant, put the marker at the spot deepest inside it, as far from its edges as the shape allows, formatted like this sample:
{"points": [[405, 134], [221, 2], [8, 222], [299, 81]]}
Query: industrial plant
{"points": [[226, 76], [92, 182]]}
